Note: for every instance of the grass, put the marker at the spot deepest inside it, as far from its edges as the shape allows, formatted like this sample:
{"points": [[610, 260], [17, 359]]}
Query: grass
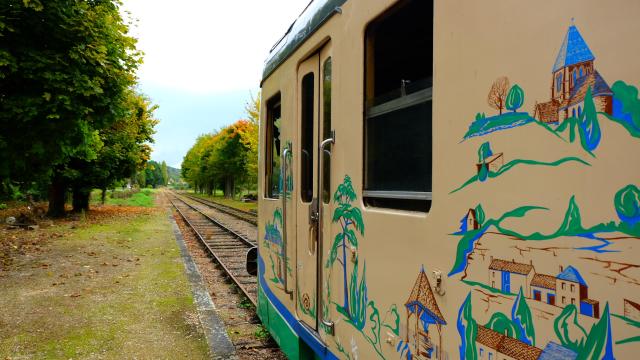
{"points": [[246, 206], [112, 289], [142, 198]]}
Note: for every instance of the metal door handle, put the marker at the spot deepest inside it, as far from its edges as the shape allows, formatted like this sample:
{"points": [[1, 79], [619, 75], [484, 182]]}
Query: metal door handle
{"points": [[326, 322]]}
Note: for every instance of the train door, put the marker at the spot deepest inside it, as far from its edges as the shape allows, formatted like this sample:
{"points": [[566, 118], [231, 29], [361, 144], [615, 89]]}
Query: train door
{"points": [[314, 114]]}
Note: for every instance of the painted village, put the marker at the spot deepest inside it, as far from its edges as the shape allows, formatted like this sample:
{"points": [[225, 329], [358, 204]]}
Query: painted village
{"points": [[511, 294]]}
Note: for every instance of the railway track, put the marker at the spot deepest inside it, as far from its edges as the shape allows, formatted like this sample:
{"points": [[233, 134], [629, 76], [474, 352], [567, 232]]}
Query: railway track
{"points": [[240, 214], [227, 246]]}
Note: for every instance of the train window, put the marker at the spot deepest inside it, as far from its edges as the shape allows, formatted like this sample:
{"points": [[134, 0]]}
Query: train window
{"points": [[398, 90], [326, 129], [273, 150], [306, 143]]}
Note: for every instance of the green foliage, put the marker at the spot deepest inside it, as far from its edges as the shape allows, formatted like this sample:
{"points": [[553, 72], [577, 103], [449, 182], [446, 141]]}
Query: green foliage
{"points": [[67, 71], [501, 323], [590, 132], [627, 204], [226, 158], [568, 329], [480, 214], [521, 317], [599, 344], [628, 96], [484, 151], [262, 333], [515, 98], [468, 328]]}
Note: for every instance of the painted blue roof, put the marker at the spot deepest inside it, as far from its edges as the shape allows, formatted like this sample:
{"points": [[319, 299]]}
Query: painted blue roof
{"points": [[572, 274], [554, 351], [573, 50]]}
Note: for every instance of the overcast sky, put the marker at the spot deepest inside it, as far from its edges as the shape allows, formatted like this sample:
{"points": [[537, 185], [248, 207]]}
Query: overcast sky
{"points": [[203, 60]]}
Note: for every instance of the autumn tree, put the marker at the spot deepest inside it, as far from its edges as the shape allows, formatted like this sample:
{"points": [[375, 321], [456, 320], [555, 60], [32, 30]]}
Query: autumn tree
{"points": [[66, 68], [498, 93], [249, 138]]}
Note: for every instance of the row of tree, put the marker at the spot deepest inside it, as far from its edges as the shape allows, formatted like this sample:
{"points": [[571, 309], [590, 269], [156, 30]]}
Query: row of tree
{"points": [[226, 159], [70, 115]]}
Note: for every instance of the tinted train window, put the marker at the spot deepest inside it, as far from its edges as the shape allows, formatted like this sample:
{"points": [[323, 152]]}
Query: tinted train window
{"points": [[306, 143], [398, 126], [273, 147]]}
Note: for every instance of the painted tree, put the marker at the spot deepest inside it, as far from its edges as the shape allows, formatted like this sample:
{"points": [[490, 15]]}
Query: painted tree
{"points": [[484, 151], [568, 330], [468, 331], [589, 126], [498, 93], [627, 204], [502, 324], [521, 317], [480, 216], [350, 220], [599, 343], [515, 98]]}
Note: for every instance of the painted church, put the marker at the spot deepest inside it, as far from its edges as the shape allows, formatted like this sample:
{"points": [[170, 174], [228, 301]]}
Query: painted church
{"points": [[573, 74]]}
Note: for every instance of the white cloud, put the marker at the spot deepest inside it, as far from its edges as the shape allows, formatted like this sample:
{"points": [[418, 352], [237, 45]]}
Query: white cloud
{"points": [[208, 46]]}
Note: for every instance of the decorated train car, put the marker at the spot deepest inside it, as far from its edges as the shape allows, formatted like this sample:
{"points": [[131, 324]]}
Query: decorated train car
{"points": [[452, 180]]}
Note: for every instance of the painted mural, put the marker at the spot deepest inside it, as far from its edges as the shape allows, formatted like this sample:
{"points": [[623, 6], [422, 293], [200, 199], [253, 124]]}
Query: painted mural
{"points": [[272, 243], [354, 306], [424, 322], [522, 281]]}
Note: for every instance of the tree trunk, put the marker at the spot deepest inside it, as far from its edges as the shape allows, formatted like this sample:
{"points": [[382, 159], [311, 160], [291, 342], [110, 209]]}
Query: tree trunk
{"points": [[81, 200], [57, 198], [103, 196], [344, 274], [228, 187]]}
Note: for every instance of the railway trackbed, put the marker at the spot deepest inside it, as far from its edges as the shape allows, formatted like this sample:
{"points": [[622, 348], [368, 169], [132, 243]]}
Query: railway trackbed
{"points": [[225, 244], [240, 214]]}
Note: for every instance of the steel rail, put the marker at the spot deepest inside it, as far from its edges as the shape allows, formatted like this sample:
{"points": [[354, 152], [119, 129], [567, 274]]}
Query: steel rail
{"points": [[214, 252]]}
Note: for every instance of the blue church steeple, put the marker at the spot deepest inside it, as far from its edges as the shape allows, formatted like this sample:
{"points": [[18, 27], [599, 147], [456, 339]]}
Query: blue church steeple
{"points": [[573, 50]]}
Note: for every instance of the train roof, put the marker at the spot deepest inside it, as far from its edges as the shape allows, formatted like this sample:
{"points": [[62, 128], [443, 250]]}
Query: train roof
{"points": [[313, 16]]}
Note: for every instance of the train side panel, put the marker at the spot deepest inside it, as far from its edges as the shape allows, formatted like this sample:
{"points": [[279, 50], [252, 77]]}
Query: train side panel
{"points": [[530, 246]]}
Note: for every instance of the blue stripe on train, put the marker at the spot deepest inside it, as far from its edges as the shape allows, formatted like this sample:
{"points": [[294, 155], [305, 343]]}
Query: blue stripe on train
{"points": [[318, 347]]}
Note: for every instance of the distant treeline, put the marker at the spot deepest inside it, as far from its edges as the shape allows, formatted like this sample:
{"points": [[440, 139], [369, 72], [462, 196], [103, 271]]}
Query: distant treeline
{"points": [[157, 174], [227, 159]]}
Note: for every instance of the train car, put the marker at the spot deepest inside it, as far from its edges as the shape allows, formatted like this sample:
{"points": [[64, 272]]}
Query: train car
{"points": [[452, 180]]}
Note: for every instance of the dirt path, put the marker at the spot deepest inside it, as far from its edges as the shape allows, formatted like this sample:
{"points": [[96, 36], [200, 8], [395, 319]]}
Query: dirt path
{"points": [[107, 285]]}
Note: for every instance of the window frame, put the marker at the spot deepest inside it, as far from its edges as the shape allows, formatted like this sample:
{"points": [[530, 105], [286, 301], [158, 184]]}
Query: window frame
{"points": [[275, 101], [403, 200]]}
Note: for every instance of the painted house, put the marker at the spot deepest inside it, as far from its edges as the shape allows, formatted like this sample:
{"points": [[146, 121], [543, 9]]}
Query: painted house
{"points": [[422, 306], [492, 345], [493, 163], [571, 288], [471, 221], [555, 351], [543, 288], [572, 74], [510, 276]]}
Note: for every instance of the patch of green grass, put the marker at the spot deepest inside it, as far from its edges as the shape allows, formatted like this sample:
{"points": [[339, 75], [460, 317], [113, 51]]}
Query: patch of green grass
{"points": [[262, 333], [144, 198], [246, 206]]}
